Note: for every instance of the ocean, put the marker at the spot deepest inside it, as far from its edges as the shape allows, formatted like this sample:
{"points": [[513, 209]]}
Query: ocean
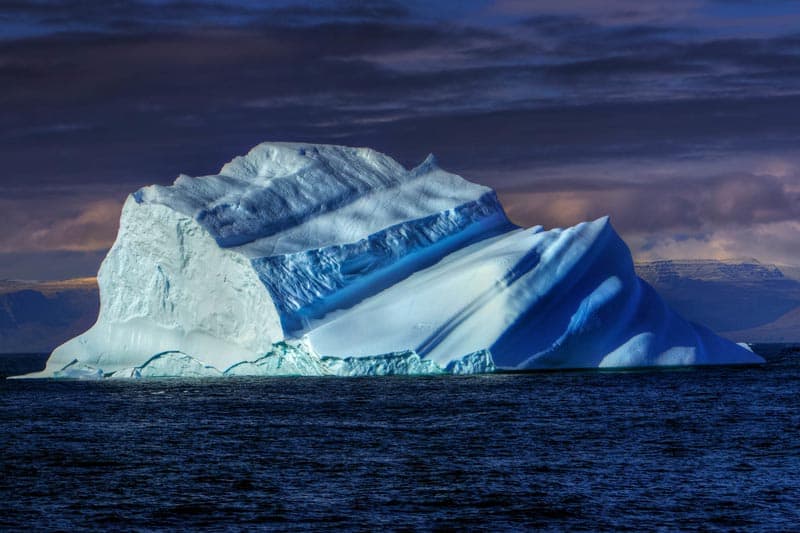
{"points": [[713, 448]]}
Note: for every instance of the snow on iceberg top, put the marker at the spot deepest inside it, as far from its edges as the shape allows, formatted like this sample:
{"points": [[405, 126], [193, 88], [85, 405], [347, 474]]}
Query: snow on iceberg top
{"points": [[284, 198]]}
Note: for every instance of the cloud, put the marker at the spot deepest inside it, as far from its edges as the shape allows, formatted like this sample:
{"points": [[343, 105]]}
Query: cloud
{"points": [[44, 225], [38, 18], [93, 229], [670, 197], [774, 242], [610, 12], [678, 205], [657, 113], [722, 217], [50, 265]]}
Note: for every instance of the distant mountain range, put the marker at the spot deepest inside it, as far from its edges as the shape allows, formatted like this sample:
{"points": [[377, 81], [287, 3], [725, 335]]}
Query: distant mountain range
{"points": [[37, 316], [742, 299]]}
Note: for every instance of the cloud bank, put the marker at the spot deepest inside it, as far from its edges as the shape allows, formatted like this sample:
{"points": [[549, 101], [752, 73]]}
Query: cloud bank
{"points": [[677, 119]]}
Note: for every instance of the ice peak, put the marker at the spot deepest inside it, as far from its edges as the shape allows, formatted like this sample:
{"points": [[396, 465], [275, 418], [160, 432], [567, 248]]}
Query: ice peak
{"points": [[604, 220], [270, 160], [429, 164], [285, 197]]}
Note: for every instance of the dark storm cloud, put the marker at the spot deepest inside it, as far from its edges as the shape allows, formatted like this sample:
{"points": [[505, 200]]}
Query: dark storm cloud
{"points": [[543, 137], [126, 16], [178, 94], [269, 61], [571, 35], [101, 98], [303, 14]]}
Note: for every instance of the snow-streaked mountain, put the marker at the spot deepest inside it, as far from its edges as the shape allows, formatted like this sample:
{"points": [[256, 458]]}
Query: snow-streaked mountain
{"points": [[37, 316], [317, 259], [745, 270], [743, 299]]}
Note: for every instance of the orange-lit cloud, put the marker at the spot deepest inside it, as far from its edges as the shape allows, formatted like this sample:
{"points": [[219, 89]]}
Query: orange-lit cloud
{"points": [[51, 226]]}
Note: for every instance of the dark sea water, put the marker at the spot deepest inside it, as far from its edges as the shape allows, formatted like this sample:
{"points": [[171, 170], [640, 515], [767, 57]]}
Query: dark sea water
{"points": [[689, 449]]}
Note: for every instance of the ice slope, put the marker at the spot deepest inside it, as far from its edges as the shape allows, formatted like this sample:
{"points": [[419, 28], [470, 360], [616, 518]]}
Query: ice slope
{"points": [[536, 299], [302, 259]]}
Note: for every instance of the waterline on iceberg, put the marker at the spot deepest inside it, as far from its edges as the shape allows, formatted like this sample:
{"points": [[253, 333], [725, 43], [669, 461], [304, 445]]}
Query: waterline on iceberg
{"points": [[286, 359]]}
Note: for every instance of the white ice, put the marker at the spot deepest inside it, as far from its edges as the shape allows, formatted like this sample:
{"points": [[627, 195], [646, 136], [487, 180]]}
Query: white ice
{"points": [[302, 259]]}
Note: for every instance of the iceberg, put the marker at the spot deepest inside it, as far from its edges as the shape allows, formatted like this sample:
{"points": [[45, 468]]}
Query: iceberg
{"points": [[304, 259]]}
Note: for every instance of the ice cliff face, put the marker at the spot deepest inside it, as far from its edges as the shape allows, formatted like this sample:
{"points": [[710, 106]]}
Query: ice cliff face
{"points": [[314, 260]]}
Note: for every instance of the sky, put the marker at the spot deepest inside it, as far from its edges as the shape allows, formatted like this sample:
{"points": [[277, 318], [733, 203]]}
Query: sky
{"points": [[680, 119]]}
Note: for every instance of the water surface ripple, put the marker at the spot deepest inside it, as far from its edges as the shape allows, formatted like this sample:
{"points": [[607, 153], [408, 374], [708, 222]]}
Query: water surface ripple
{"points": [[700, 448]]}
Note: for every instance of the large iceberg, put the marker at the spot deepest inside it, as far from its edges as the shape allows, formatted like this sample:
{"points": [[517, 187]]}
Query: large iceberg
{"points": [[302, 259]]}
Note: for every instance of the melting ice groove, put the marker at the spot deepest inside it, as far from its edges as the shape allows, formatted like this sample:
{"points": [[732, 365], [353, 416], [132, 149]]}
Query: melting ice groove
{"points": [[302, 259]]}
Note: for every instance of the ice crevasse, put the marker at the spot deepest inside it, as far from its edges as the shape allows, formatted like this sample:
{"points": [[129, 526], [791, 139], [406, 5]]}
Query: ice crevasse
{"points": [[303, 259]]}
